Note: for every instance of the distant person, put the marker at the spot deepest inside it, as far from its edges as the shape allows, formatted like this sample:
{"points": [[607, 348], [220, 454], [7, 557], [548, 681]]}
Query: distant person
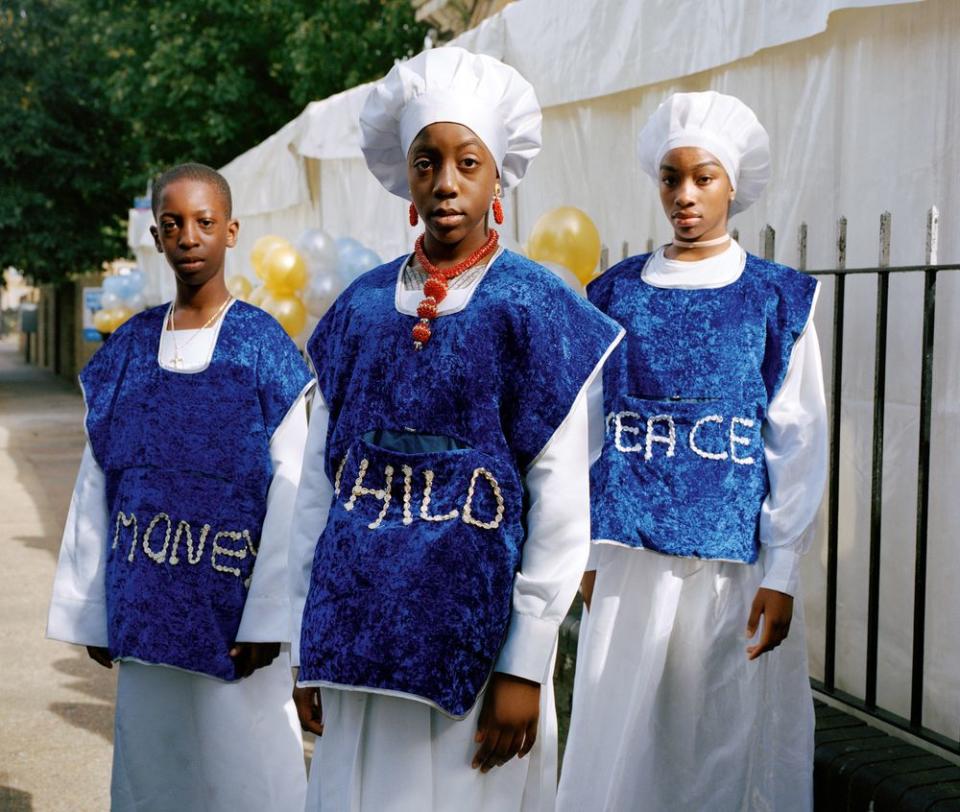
{"points": [[173, 560], [443, 512], [703, 501]]}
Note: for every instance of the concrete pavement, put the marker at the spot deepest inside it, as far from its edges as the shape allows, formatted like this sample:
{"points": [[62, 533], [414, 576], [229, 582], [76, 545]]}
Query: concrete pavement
{"points": [[56, 705]]}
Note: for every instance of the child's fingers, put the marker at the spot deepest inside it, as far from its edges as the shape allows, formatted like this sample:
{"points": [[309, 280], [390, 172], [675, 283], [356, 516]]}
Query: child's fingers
{"points": [[529, 739], [516, 745], [100, 655], [499, 753], [309, 709], [769, 640], [756, 610], [485, 750], [263, 654], [240, 654]]}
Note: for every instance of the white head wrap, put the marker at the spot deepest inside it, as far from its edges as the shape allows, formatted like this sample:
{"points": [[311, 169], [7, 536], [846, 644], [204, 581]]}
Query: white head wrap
{"points": [[722, 125], [450, 84]]}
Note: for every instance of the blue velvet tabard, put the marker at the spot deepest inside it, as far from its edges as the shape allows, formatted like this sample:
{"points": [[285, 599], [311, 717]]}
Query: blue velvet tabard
{"points": [[186, 458], [685, 396], [413, 575]]}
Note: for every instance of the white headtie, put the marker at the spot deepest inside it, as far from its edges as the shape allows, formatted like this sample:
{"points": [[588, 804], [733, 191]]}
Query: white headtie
{"points": [[455, 85], [722, 125]]}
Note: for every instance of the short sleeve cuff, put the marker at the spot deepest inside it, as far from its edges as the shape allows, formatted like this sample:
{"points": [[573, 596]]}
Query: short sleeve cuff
{"points": [[528, 650], [81, 622], [781, 570]]}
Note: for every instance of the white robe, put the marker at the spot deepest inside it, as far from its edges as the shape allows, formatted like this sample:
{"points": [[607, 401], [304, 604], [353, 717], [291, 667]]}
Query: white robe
{"points": [[668, 713], [382, 752], [182, 740]]}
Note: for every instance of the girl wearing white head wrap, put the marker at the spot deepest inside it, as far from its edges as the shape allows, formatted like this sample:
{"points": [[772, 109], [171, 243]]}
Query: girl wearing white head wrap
{"points": [[703, 498], [454, 380]]}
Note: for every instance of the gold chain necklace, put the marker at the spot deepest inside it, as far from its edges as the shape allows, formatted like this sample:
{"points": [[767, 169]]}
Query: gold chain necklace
{"points": [[177, 360]]}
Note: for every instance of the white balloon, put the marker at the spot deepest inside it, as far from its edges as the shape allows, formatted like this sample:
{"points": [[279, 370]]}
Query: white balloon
{"points": [[319, 250], [109, 300], [322, 293], [566, 275], [136, 302]]}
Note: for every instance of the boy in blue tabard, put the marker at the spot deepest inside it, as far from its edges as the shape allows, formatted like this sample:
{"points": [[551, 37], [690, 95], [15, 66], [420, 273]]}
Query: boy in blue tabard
{"points": [[173, 560], [702, 501], [443, 510]]}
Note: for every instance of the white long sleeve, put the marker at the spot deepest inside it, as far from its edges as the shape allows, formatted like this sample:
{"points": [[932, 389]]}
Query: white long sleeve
{"points": [[310, 509], [78, 609], [267, 608], [795, 449], [556, 548]]}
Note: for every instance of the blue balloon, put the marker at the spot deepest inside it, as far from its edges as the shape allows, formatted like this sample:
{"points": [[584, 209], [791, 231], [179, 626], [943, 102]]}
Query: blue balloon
{"points": [[366, 259], [347, 245], [354, 258], [114, 284], [356, 262], [136, 280]]}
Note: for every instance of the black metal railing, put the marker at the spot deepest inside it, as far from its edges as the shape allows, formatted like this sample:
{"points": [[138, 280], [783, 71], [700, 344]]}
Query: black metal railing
{"points": [[930, 270]]}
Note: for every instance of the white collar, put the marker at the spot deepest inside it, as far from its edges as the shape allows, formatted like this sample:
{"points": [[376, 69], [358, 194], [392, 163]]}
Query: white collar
{"points": [[713, 272]]}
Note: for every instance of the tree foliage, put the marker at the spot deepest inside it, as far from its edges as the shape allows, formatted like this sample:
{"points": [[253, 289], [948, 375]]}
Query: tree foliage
{"points": [[100, 95]]}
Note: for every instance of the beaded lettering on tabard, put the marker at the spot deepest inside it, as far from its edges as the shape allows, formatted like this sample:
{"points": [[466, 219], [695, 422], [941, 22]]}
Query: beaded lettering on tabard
{"points": [[384, 496], [183, 539], [630, 423]]}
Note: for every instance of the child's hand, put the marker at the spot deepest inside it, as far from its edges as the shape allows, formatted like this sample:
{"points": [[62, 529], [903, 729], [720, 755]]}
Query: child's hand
{"points": [[586, 587], [248, 657], [309, 709], [777, 610], [101, 655], [508, 721]]}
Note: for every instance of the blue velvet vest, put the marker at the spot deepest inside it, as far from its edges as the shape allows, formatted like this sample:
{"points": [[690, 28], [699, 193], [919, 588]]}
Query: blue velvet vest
{"points": [[685, 396], [413, 576], [187, 463]]}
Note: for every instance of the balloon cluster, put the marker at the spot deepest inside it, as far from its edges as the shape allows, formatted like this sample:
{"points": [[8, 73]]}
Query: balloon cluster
{"points": [[122, 297], [304, 278]]}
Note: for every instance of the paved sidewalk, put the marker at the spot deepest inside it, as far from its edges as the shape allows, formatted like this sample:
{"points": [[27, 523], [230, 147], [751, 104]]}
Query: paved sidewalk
{"points": [[56, 705]]}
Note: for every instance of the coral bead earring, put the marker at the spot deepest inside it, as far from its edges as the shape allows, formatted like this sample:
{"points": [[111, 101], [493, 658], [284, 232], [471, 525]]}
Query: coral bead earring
{"points": [[497, 207], [414, 217]]}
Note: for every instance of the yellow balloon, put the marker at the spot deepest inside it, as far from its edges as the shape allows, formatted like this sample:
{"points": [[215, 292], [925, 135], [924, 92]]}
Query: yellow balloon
{"points": [[261, 248], [240, 287], [120, 315], [284, 270], [103, 321], [568, 236], [288, 310], [257, 295]]}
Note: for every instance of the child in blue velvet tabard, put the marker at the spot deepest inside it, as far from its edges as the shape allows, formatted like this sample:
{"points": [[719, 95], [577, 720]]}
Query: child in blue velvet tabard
{"points": [[443, 511], [702, 501], [173, 560]]}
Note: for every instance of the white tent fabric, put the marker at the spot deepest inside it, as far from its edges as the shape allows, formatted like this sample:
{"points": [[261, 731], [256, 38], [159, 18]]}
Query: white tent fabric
{"points": [[858, 98], [589, 48]]}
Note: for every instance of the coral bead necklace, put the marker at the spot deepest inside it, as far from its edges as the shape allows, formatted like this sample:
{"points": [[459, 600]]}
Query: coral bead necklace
{"points": [[435, 288]]}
